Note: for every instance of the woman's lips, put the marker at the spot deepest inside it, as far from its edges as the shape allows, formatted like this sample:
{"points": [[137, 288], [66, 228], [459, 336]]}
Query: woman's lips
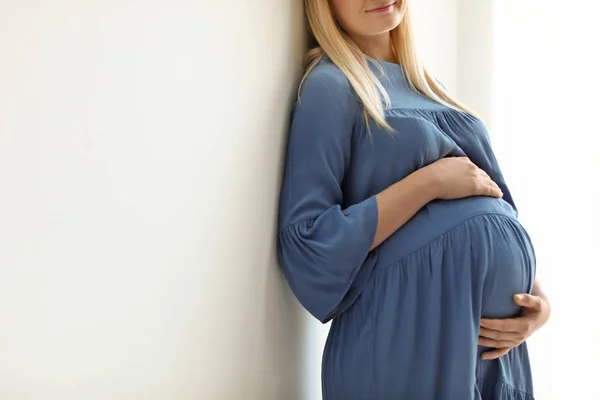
{"points": [[382, 9]]}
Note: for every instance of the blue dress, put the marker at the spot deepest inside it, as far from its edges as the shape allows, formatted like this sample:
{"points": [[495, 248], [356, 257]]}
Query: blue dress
{"points": [[405, 315]]}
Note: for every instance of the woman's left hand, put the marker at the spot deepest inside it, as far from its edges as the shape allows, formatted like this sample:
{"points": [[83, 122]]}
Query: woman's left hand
{"points": [[505, 334]]}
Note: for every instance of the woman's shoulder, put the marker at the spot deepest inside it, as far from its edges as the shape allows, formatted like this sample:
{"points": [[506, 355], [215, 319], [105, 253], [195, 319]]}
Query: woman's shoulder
{"points": [[327, 85], [326, 76]]}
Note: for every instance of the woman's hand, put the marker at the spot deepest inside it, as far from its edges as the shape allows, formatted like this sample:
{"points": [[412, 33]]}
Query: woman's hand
{"points": [[505, 334], [458, 177]]}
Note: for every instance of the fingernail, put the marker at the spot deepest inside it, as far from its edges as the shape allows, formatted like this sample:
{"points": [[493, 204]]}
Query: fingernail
{"points": [[519, 297]]}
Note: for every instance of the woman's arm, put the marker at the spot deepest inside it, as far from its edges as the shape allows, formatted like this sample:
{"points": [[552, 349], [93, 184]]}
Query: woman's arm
{"points": [[401, 201], [448, 178]]}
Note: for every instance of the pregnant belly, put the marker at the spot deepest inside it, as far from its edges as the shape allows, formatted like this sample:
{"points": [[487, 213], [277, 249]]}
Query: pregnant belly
{"points": [[435, 219], [498, 246]]}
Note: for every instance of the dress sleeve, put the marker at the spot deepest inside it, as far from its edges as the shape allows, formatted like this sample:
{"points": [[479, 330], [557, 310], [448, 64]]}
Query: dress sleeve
{"points": [[321, 245]]}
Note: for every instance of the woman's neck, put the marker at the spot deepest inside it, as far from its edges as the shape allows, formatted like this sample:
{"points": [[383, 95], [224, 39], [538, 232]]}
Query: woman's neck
{"points": [[378, 47]]}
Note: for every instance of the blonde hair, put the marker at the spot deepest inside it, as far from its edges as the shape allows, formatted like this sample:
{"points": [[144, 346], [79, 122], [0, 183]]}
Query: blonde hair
{"points": [[346, 55]]}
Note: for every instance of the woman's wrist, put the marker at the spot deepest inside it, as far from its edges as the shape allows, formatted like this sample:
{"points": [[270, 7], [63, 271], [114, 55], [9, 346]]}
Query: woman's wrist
{"points": [[430, 182]]}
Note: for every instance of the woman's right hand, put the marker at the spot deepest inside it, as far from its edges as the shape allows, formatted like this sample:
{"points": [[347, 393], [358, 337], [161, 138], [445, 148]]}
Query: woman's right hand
{"points": [[458, 177]]}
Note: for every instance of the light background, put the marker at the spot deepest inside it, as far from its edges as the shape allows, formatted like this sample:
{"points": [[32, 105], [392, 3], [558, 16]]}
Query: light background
{"points": [[141, 146]]}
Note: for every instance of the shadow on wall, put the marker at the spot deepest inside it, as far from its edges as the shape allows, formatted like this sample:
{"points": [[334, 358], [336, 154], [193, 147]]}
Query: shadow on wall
{"points": [[260, 349]]}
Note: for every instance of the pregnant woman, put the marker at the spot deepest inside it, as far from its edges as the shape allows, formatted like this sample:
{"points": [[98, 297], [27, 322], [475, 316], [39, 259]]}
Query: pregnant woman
{"points": [[396, 222]]}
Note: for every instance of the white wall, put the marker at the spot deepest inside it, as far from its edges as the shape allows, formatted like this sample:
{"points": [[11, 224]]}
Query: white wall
{"points": [[141, 146], [436, 31], [475, 55]]}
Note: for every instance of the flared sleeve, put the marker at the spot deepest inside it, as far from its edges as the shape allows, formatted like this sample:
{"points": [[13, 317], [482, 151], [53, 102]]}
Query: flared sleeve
{"points": [[322, 245]]}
